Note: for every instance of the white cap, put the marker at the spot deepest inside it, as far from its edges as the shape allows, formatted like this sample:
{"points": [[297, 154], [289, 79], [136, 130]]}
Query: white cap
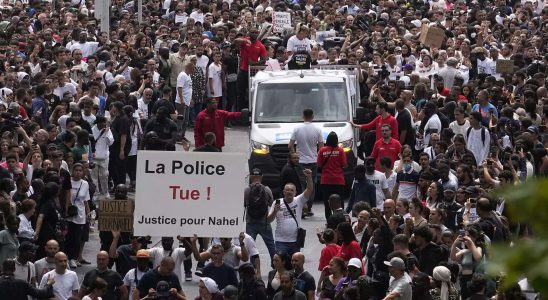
{"points": [[355, 262]]}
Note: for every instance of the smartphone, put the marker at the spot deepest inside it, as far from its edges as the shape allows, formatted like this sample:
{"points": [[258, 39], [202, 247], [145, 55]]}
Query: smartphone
{"points": [[462, 232], [278, 201], [489, 162], [473, 200]]}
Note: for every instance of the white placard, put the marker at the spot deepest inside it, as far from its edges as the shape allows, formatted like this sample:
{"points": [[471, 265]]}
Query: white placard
{"points": [[181, 19], [186, 193], [281, 21]]}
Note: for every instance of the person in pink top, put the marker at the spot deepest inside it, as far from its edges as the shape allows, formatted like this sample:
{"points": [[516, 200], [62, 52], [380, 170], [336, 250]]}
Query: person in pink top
{"points": [[384, 117]]}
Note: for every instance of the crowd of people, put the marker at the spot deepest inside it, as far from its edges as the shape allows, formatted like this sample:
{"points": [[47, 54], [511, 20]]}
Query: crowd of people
{"points": [[440, 129]]}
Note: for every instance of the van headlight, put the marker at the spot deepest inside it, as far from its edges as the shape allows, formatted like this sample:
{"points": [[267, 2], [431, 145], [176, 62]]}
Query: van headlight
{"points": [[347, 145], [259, 148]]}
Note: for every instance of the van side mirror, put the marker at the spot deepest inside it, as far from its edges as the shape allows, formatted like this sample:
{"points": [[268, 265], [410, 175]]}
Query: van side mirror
{"points": [[244, 118]]}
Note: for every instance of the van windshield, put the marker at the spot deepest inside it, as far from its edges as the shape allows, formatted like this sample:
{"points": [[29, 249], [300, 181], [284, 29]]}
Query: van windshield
{"points": [[285, 102]]}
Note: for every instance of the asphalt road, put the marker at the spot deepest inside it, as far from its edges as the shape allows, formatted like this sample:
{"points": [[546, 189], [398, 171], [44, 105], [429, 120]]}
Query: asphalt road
{"points": [[236, 140]]}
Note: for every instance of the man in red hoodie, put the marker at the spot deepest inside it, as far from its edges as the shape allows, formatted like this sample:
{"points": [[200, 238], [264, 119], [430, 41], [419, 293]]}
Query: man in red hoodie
{"points": [[213, 120], [384, 117]]}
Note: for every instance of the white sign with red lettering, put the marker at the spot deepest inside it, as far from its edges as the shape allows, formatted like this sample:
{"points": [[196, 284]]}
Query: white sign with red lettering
{"points": [[186, 193]]}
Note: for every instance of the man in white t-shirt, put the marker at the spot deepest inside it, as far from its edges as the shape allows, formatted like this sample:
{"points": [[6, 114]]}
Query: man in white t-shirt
{"points": [[299, 42], [287, 212], [88, 48], [309, 139], [134, 275], [183, 97], [178, 254], [46, 264], [66, 281], [379, 180], [215, 71]]}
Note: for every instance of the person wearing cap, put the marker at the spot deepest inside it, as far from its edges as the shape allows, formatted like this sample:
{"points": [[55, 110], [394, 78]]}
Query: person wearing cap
{"points": [[363, 283], [24, 268], [400, 287], [258, 225], [208, 290], [131, 280], [19, 289], [250, 287], [116, 288]]}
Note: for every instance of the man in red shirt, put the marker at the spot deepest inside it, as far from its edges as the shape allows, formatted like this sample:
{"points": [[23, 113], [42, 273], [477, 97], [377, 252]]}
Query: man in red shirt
{"points": [[384, 118], [252, 52], [213, 120], [386, 147]]}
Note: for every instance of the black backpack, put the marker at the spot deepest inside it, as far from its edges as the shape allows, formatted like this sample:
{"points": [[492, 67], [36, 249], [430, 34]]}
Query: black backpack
{"points": [[257, 202]]}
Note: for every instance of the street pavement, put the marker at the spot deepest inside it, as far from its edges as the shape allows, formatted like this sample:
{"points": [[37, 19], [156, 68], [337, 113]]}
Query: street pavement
{"points": [[237, 140]]}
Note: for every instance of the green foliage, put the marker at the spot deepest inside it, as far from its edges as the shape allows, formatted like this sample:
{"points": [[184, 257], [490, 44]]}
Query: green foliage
{"points": [[527, 202]]}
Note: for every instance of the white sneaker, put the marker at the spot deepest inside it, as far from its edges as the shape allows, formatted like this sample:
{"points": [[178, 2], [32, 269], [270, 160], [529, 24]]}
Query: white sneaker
{"points": [[72, 264]]}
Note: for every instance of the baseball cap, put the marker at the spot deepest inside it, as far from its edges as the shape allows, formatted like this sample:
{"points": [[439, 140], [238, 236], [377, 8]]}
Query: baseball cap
{"points": [[162, 289], [395, 262], [355, 262], [51, 146], [532, 129], [256, 172], [142, 253], [210, 284]]}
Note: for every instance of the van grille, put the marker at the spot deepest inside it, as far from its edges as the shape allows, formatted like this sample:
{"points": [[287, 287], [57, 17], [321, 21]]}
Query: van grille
{"points": [[279, 155]]}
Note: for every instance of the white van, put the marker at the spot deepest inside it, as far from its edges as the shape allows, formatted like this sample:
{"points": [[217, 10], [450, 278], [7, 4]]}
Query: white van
{"points": [[277, 101]]}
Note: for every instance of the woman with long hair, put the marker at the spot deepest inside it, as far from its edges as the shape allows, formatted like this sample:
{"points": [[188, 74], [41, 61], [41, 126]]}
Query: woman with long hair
{"points": [[48, 218], [79, 199], [136, 132], [331, 161], [281, 263], [469, 252], [435, 197], [350, 248], [97, 289], [415, 210]]}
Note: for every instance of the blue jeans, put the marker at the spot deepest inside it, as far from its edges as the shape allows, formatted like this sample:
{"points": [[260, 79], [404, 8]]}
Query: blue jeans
{"points": [[288, 247], [265, 231]]}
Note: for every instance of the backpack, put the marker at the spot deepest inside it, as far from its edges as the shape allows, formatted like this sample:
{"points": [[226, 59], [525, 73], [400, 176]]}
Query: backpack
{"points": [[482, 134], [500, 231], [257, 204]]}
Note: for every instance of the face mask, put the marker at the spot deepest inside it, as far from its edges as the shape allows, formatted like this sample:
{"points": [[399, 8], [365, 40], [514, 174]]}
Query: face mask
{"points": [[407, 167]]}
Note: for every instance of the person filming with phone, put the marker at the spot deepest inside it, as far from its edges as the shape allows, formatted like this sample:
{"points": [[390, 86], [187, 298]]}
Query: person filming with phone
{"points": [[468, 251]]}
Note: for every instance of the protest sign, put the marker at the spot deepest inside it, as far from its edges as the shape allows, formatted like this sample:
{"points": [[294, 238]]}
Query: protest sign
{"points": [[189, 193], [115, 215], [281, 21], [431, 36], [322, 35], [505, 66]]}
